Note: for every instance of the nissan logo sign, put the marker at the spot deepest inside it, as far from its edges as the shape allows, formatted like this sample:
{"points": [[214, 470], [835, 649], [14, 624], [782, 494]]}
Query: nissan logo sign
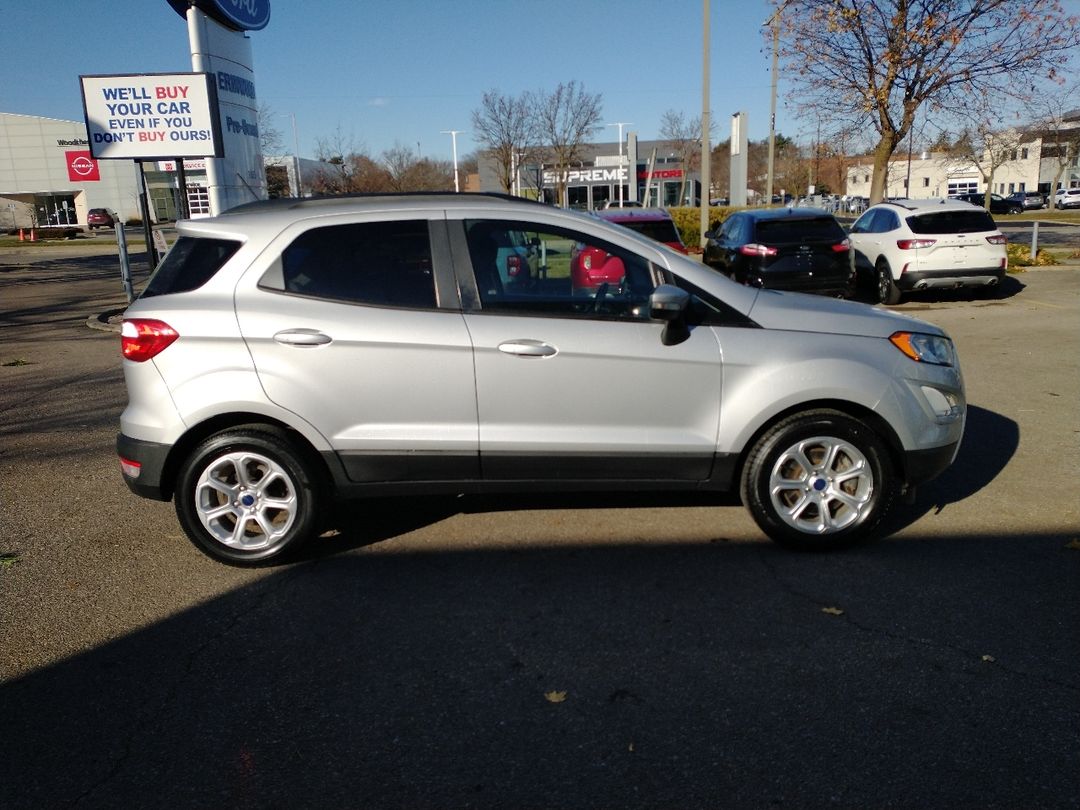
{"points": [[82, 166], [242, 15]]}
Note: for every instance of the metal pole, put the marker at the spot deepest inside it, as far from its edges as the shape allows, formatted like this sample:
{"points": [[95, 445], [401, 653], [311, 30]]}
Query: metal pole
{"points": [[706, 180], [772, 106], [620, 125], [453, 133], [148, 229], [296, 155]]}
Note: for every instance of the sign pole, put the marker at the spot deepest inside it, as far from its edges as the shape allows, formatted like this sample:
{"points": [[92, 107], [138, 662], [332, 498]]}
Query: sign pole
{"points": [[148, 230], [125, 261], [181, 177]]}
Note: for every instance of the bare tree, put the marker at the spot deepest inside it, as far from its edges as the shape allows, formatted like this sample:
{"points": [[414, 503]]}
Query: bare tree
{"points": [[1057, 123], [409, 172], [877, 62], [987, 148], [566, 118], [269, 135], [683, 137], [506, 127]]}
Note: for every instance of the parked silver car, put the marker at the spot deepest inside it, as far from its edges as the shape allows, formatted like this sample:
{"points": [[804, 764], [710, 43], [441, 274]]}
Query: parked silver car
{"points": [[291, 352]]}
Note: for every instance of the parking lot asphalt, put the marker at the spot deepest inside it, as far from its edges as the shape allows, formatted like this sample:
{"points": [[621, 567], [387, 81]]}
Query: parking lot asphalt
{"points": [[586, 651]]}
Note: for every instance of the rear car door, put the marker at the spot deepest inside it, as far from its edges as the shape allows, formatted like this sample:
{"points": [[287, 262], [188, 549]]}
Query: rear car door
{"points": [[356, 328], [579, 386]]}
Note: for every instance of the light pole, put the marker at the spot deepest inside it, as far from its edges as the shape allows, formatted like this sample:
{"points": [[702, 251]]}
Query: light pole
{"points": [[706, 170], [774, 21], [620, 125], [453, 133], [296, 158]]}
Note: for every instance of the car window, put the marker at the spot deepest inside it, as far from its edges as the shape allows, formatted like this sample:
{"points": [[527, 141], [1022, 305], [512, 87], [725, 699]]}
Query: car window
{"points": [[787, 231], [951, 221], [189, 264], [865, 223], [730, 229], [374, 263], [659, 230], [569, 274]]}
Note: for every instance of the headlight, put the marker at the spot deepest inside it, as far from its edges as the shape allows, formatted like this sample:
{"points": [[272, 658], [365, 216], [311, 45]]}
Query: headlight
{"points": [[925, 348]]}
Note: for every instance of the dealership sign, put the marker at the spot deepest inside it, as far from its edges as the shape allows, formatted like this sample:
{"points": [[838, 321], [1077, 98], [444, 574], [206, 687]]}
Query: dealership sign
{"points": [[152, 116], [240, 15], [81, 167]]}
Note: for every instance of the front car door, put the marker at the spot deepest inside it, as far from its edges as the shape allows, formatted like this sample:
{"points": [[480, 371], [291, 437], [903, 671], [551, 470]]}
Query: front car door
{"points": [[579, 385]]}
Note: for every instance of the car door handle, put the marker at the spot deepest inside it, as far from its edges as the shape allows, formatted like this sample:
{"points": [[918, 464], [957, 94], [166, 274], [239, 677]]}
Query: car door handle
{"points": [[302, 337], [528, 348]]}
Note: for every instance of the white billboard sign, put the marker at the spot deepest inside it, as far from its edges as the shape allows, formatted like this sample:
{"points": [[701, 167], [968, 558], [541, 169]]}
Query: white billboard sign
{"points": [[152, 116]]}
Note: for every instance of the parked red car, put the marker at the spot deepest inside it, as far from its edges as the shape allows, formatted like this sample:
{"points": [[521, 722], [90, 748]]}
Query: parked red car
{"points": [[590, 267], [100, 218]]}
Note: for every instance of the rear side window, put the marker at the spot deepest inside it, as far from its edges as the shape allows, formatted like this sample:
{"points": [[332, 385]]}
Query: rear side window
{"points": [[952, 221], [784, 231], [189, 264], [659, 230], [374, 263]]}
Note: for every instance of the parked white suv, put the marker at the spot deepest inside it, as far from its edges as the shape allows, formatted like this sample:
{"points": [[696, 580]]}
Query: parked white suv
{"points": [[1067, 198], [928, 244], [291, 352]]}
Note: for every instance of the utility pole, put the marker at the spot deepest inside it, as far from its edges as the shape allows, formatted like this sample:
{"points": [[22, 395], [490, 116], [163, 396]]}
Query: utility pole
{"points": [[620, 125], [706, 180]]}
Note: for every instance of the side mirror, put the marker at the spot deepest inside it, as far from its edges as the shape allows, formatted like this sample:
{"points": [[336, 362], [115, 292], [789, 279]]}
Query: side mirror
{"points": [[710, 234], [669, 303]]}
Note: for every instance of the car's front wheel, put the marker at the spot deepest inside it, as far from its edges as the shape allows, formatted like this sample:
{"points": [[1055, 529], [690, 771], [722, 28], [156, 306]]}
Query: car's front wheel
{"points": [[818, 480], [246, 497], [887, 291]]}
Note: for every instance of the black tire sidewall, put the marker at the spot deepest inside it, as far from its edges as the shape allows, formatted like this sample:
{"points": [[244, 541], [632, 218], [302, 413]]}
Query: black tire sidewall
{"points": [[885, 288], [766, 451], [275, 447]]}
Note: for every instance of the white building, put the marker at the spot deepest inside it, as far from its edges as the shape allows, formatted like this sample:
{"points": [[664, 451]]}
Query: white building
{"points": [[1032, 165]]}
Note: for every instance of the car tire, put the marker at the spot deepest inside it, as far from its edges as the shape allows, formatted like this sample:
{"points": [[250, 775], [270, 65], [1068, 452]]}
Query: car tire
{"points": [[246, 497], [1015, 210], [818, 480], [887, 291]]}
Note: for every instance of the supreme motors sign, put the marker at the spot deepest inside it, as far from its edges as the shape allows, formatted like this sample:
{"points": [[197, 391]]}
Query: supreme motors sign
{"points": [[152, 116]]}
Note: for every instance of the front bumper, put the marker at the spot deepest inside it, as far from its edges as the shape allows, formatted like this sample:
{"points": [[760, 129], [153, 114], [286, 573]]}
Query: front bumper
{"points": [[921, 466], [150, 458]]}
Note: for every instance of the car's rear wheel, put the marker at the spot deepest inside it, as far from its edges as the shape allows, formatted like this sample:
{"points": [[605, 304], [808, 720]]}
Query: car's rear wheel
{"points": [[246, 497], [818, 480], [887, 291]]}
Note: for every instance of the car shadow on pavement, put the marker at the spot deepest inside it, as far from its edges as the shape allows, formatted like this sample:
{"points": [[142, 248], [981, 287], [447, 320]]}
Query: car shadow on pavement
{"points": [[645, 675], [990, 441], [866, 292]]}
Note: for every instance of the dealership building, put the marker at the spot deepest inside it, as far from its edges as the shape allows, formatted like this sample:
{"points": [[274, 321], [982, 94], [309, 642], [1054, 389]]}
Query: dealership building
{"points": [[48, 177]]}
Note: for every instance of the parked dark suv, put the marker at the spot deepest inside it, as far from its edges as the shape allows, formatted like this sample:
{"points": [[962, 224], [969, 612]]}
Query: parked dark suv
{"points": [[800, 249], [1028, 199], [998, 204]]}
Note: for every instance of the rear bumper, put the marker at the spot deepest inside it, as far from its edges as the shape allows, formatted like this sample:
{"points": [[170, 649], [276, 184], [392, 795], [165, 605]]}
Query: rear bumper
{"points": [[951, 279], [150, 458]]}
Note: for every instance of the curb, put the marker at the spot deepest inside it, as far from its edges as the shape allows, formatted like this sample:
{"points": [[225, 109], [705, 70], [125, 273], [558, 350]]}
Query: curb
{"points": [[108, 321]]}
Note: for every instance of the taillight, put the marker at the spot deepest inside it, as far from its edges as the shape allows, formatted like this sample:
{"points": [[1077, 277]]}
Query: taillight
{"points": [[842, 247], [144, 338], [998, 239], [130, 468], [754, 249], [513, 265], [910, 244]]}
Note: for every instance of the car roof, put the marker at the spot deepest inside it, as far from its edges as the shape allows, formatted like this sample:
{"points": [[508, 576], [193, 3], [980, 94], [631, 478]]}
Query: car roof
{"points": [[633, 214], [786, 213], [933, 203]]}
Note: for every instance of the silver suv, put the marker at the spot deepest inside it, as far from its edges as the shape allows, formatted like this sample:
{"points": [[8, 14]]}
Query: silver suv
{"points": [[912, 245], [289, 353]]}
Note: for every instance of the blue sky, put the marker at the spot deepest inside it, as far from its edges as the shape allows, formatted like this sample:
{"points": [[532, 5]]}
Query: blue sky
{"points": [[387, 72]]}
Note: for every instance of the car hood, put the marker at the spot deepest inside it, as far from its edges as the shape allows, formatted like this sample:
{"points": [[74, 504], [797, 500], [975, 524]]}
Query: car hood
{"points": [[798, 312]]}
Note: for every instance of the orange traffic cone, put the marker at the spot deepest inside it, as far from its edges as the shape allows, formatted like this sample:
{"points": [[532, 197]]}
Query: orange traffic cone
{"points": [[21, 237], [33, 236]]}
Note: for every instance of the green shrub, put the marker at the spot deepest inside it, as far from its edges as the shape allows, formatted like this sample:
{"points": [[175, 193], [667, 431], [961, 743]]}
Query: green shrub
{"points": [[688, 221]]}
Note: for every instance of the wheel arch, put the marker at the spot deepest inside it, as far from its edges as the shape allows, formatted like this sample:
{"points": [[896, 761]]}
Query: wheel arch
{"points": [[198, 433], [853, 410]]}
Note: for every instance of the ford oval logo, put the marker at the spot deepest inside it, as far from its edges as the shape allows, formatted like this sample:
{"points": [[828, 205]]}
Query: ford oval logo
{"points": [[243, 15]]}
